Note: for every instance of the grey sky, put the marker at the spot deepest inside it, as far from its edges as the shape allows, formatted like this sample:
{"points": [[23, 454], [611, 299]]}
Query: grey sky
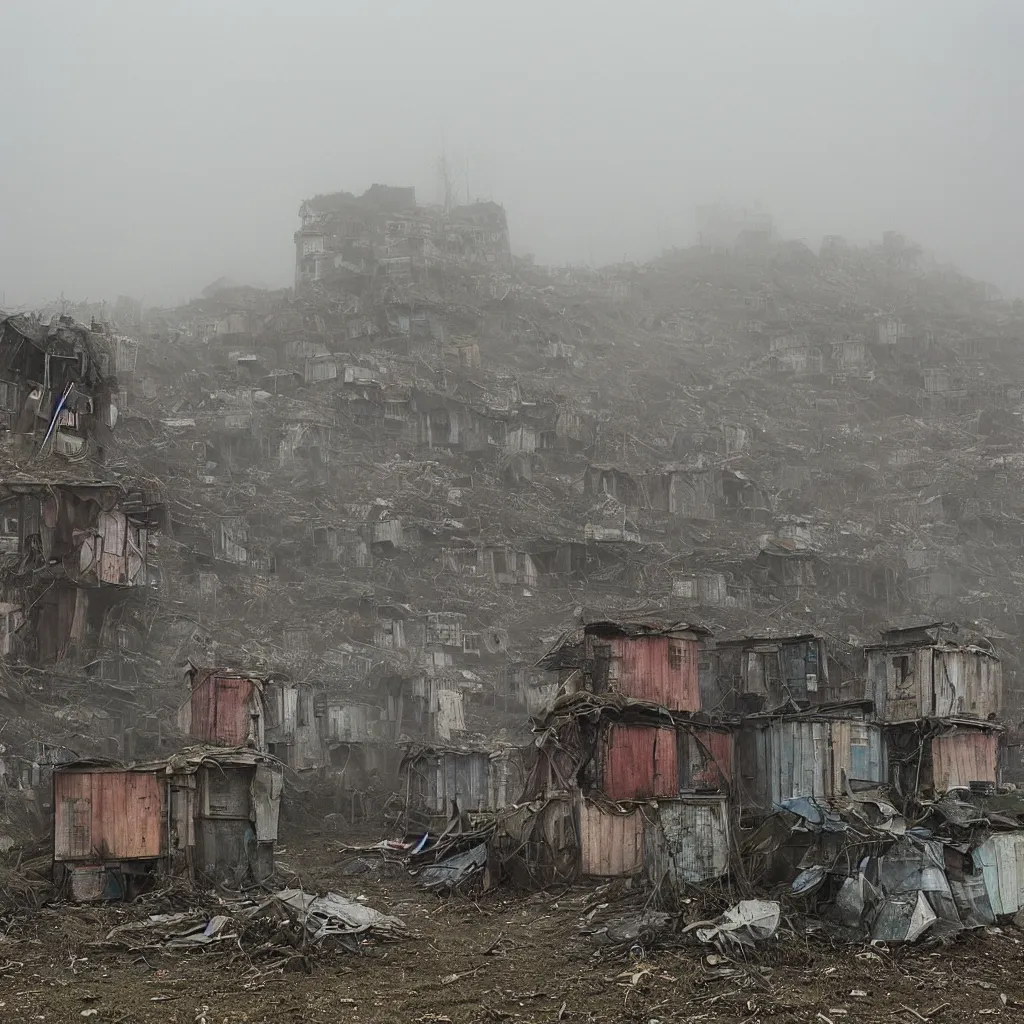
{"points": [[151, 147]]}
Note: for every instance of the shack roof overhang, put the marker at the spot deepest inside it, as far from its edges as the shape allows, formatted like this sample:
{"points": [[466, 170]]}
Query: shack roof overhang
{"points": [[937, 645], [748, 641], [955, 721], [184, 762], [634, 630], [837, 711]]}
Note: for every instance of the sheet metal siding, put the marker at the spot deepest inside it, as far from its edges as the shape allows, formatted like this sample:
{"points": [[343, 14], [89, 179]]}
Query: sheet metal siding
{"points": [[858, 752], [964, 757], [506, 779], [611, 844], [796, 754], [220, 710], [1001, 861], [640, 761], [658, 669], [463, 777], [687, 841], [935, 683], [966, 683], [108, 815], [809, 759], [347, 722]]}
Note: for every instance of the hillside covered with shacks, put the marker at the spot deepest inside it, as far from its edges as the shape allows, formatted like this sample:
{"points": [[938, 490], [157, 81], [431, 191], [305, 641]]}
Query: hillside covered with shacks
{"points": [[386, 496]]}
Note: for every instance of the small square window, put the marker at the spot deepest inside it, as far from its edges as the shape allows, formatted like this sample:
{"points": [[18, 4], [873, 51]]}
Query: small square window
{"points": [[675, 656]]}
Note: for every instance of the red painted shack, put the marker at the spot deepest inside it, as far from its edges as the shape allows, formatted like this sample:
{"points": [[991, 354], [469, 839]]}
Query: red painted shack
{"points": [[646, 661], [639, 762], [107, 815], [224, 708], [109, 828]]}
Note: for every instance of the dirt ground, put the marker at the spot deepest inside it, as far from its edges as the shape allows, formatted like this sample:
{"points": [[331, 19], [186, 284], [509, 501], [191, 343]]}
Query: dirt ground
{"points": [[503, 957]]}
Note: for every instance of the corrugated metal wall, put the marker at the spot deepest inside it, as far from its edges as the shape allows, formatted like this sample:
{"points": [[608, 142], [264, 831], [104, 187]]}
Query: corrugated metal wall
{"points": [[610, 844], [687, 841], [347, 722], [963, 757], [107, 815], [858, 752], [793, 758], [453, 775], [659, 669], [507, 778], [1001, 861], [640, 761], [966, 682]]}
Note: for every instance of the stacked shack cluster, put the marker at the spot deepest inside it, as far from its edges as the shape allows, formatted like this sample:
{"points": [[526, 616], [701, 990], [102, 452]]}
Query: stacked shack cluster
{"points": [[382, 495], [660, 754]]}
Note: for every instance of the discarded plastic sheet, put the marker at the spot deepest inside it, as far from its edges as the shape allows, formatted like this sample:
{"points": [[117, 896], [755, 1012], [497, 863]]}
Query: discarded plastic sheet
{"points": [[816, 817], [456, 870], [334, 914], [747, 922], [903, 918]]}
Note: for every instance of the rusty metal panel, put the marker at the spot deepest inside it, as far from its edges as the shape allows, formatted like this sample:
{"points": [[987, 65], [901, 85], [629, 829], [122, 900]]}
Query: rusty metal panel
{"points": [[705, 759], [107, 815], [659, 669], [640, 761], [610, 844], [687, 841], [222, 709], [963, 757]]}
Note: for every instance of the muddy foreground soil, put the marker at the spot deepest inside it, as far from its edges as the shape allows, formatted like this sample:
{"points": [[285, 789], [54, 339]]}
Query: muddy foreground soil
{"points": [[503, 957]]}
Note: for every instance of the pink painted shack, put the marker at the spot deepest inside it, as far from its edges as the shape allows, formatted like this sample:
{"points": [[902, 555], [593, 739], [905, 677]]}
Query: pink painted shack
{"points": [[109, 828], [656, 663], [224, 708], [206, 813], [639, 761]]}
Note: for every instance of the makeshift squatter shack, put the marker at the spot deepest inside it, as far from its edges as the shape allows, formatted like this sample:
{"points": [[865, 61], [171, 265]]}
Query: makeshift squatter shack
{"points": [[204, 813]]}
